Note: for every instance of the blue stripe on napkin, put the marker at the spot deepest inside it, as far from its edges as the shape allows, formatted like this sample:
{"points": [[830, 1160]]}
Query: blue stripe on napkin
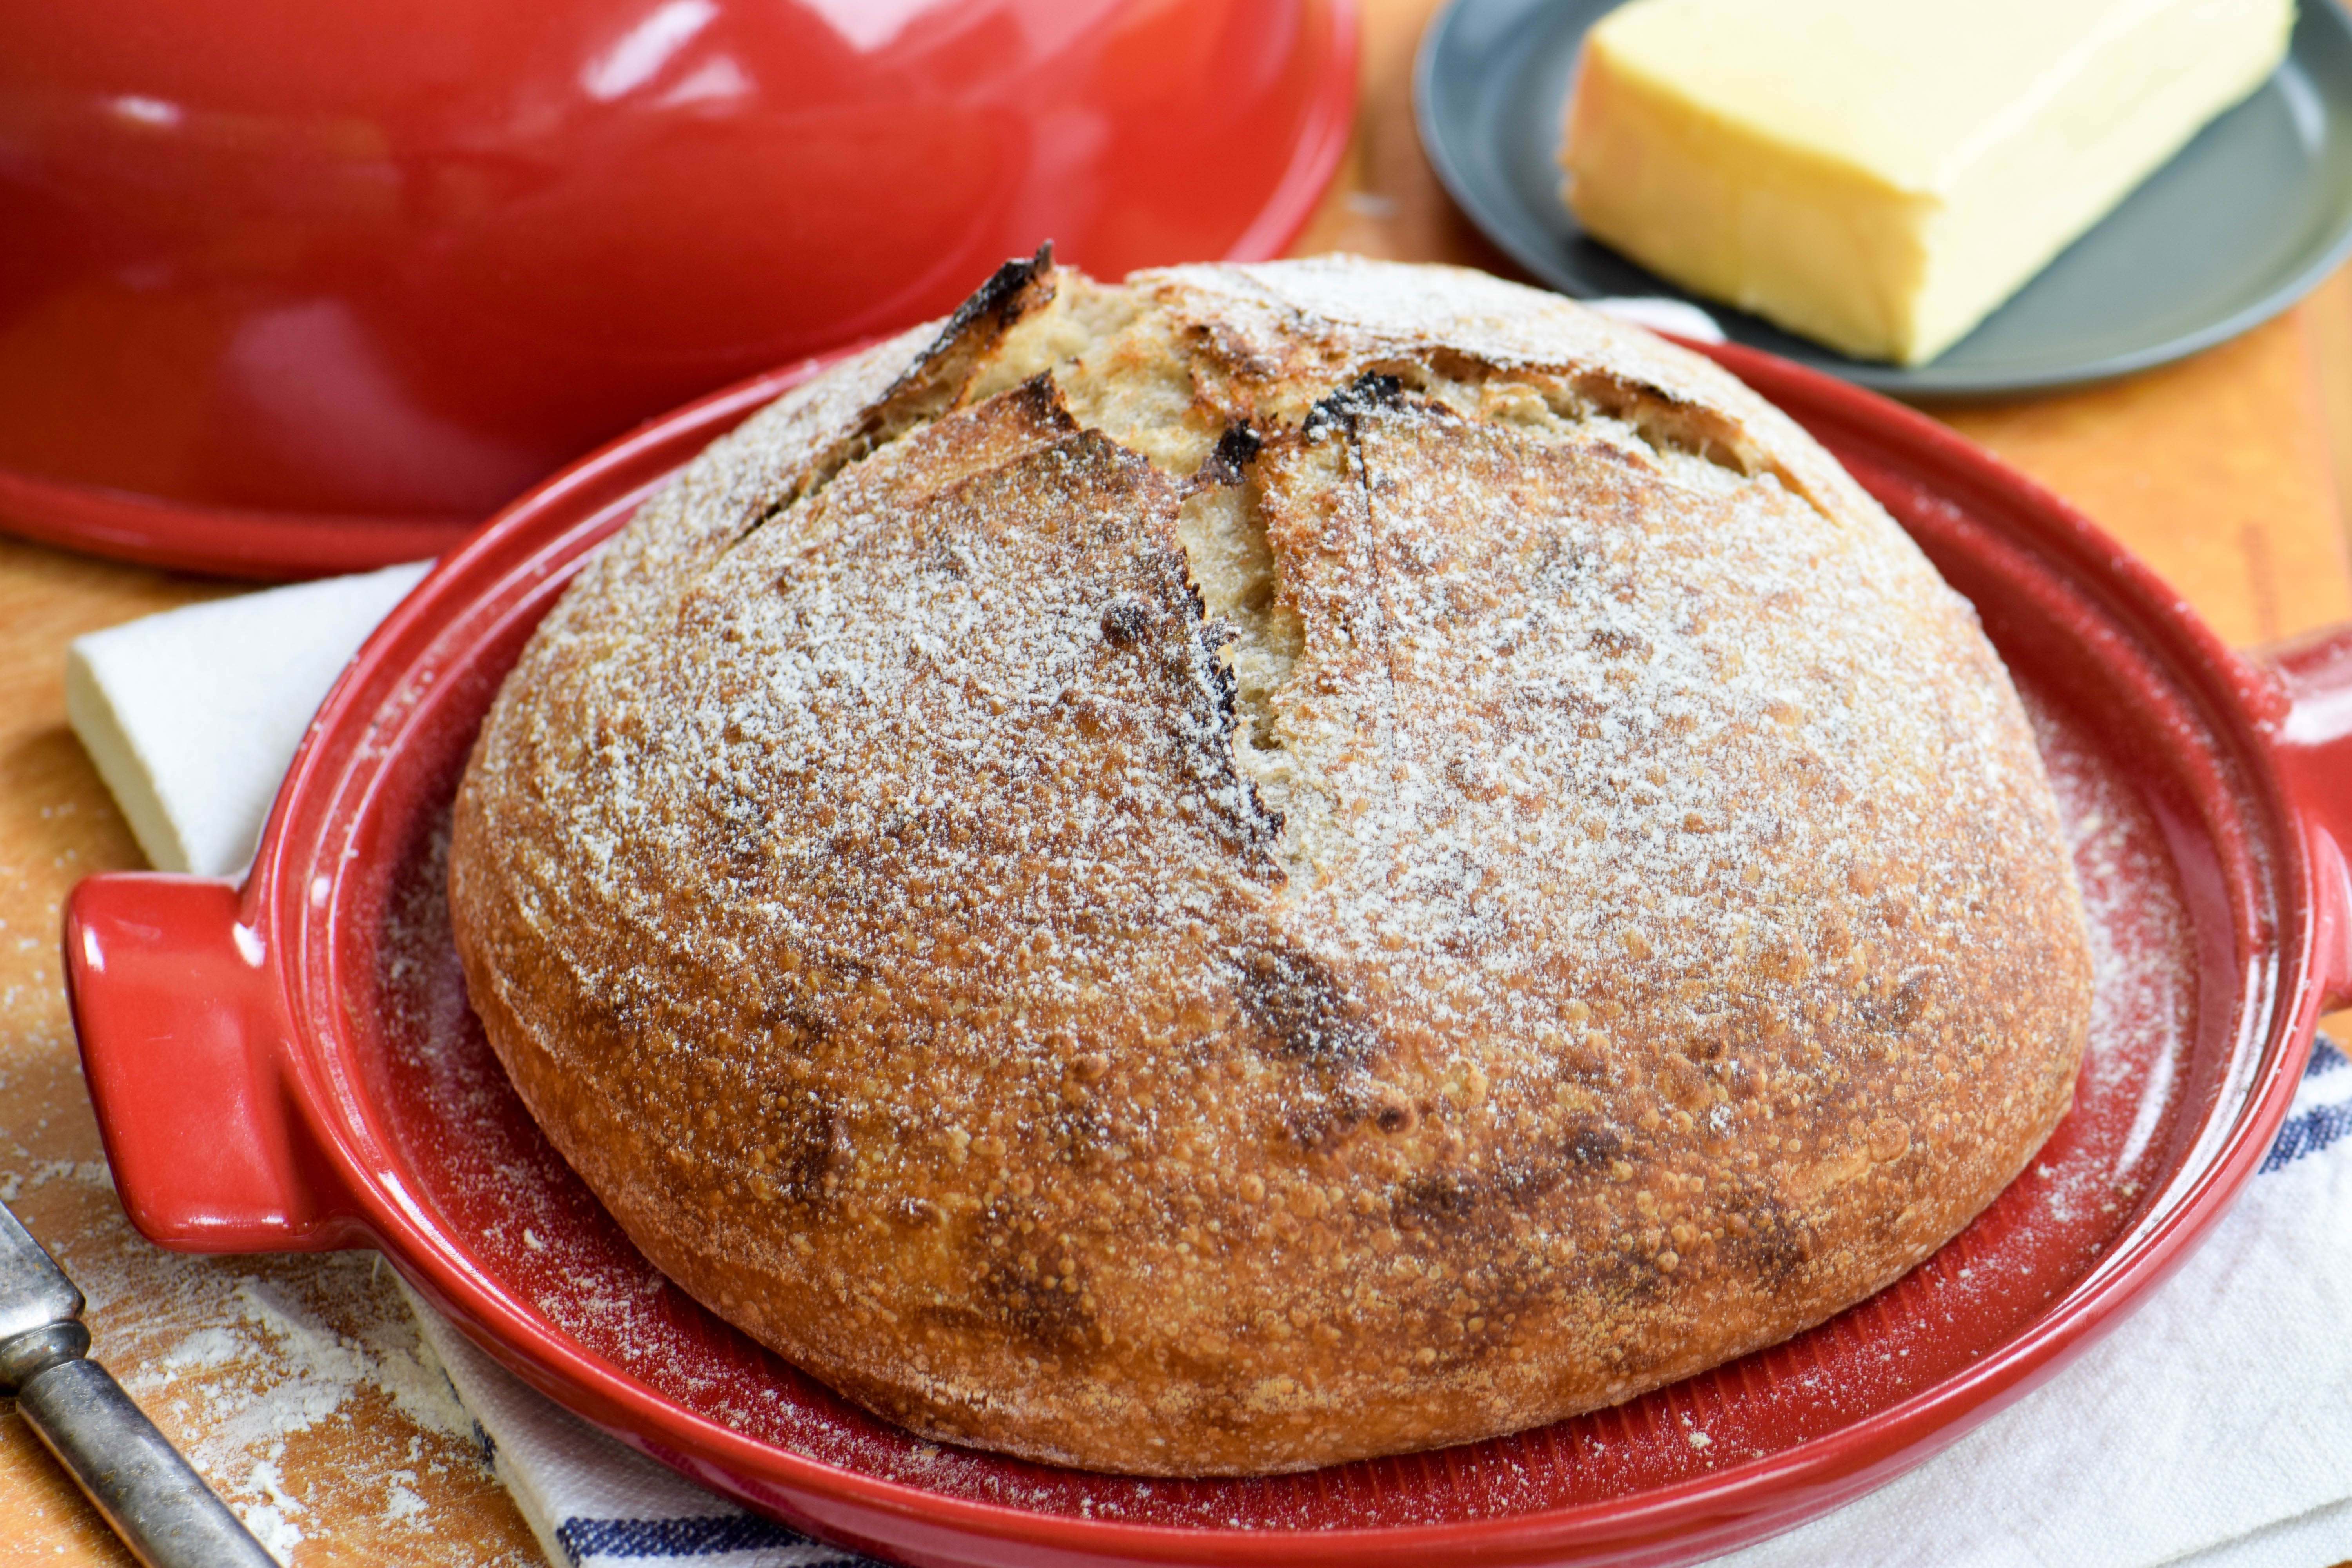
{"points": [[2311, 1131], [583, 1539]]}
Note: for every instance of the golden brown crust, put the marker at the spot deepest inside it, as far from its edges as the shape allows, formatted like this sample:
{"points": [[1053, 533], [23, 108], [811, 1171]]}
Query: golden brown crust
{"points": [[1593, 909]]}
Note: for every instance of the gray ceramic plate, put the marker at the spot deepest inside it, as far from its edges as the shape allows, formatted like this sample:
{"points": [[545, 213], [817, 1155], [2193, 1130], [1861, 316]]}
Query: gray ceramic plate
{"points": [[2251, 215]]}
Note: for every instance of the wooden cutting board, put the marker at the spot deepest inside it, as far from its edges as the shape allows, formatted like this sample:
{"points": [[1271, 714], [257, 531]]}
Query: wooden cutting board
{"points": [[295, 1383]]}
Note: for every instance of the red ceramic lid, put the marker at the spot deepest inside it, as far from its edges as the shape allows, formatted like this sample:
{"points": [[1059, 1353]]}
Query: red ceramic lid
{"points": [[296, 288]]}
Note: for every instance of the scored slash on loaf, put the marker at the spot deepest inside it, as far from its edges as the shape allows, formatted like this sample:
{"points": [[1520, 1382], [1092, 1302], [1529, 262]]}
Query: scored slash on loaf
{"points": [[1269, 865]]}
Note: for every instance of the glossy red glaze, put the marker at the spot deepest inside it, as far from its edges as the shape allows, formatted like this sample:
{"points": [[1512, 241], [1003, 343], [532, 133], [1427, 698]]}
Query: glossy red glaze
{"points": [[314, 1023], [368, 269]]}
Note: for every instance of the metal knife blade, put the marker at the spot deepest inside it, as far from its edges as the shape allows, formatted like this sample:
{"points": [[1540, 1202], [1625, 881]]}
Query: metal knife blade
{"points": [[147, 1491], [34, 1292]]}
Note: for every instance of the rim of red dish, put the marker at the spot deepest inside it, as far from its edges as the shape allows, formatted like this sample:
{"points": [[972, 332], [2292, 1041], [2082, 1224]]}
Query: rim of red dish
{"points": [[340, 766], [265, 545]]}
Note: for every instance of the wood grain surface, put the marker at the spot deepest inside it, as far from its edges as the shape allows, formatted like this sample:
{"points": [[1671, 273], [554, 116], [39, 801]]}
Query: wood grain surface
{"points": [[294, 1382]]}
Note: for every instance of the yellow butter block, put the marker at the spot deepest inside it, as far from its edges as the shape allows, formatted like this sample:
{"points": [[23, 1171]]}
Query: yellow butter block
{"points": [[1880, 175]]}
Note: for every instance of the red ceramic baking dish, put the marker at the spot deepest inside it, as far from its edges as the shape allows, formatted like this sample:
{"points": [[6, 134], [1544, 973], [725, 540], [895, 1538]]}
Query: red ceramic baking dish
{"points": [[290, 1064], [292, 289]]}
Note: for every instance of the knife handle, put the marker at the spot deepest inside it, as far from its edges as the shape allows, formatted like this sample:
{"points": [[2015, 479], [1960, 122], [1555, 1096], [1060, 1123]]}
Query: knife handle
{"points": [[156, 1504]]}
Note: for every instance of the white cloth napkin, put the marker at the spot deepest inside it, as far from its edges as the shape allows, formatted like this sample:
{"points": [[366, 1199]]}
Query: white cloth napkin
{"points": [[2213, 1428], [588, 1498], [193, 716]]}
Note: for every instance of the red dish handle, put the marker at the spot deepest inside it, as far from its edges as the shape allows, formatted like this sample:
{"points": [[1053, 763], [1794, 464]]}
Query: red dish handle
{"points": [[183, 1039], [2313, 730]]}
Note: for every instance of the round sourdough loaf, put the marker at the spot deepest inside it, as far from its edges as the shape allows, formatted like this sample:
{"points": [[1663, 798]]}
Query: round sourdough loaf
{"points": [[1269, 865]]}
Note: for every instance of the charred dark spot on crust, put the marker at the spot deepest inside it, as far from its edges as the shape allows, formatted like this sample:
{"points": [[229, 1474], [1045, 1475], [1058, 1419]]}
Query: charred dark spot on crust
{"points": [[1229, 461], [1439, 1194], [1124, 622], [1455, 1198], [1592, 1142], [1040, 397], [1313, 1121], [794, 1019], [1894, 1014], [1038, 1311], [933, 383], [1028, 1294], [1210, 638], [917, 1212], [1776, 1242], [1618, 644], [1079, 1133], [1341, 409], [805, 1140], [1522, 1181], [1254, 827], [1303, 1010], [1329, 1105], [1000, 298]]}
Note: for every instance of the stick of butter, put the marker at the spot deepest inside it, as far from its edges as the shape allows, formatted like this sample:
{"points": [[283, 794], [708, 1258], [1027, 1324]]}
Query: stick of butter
{"points": [[1879, 174]]}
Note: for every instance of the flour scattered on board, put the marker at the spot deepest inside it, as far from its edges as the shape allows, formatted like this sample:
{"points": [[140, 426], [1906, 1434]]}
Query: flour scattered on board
{"points": [[258, 1360], [298, 1387]]}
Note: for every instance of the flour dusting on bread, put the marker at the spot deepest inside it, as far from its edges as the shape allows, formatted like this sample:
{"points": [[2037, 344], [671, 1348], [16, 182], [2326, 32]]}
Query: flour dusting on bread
{"points": [[1266, 865]]}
